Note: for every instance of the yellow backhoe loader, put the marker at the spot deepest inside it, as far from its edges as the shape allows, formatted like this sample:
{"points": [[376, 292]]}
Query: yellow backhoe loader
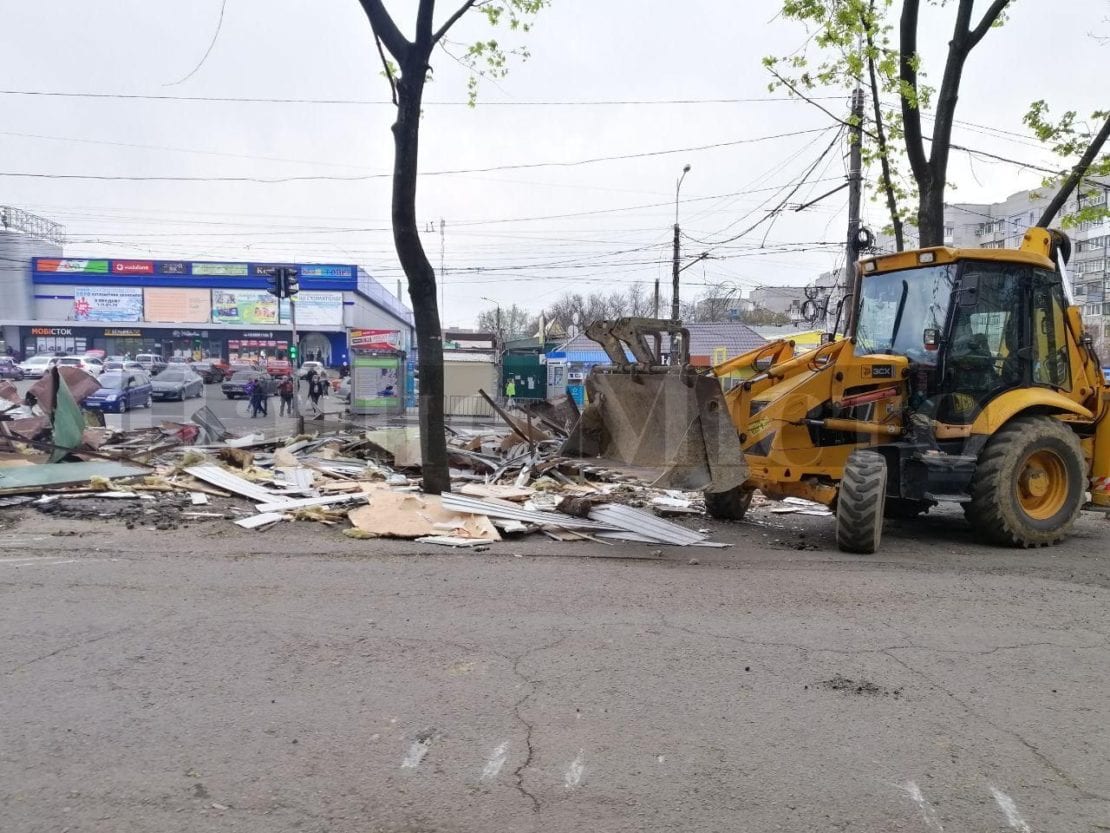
{"points": [[964, 375]]}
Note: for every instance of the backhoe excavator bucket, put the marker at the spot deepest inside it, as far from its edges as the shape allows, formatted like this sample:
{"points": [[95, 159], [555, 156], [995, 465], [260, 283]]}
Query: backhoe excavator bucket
{"points": [[667, 424]]}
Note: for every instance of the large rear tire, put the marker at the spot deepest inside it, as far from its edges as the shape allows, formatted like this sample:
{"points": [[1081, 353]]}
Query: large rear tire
{"points": [[860, 502], [1029, 484], [730, 505]]}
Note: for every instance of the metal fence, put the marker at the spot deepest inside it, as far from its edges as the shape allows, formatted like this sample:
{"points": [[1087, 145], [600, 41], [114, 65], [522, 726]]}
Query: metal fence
{"points": [[470, 406]]}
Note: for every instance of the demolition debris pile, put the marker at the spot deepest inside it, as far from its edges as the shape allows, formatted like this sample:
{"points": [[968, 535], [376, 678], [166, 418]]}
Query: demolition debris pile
{"points": [[507, 481]]}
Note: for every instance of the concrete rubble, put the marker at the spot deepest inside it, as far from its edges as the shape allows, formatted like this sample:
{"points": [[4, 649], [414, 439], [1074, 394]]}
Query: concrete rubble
{"points": [[508, 480]]}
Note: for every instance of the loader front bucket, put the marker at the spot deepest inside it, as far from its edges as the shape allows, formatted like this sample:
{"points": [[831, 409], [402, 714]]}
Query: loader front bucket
{"points": [[668, 425]]}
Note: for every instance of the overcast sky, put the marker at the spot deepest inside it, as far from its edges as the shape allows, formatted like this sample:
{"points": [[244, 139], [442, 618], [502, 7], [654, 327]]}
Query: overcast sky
{"points": [[519, 235]]}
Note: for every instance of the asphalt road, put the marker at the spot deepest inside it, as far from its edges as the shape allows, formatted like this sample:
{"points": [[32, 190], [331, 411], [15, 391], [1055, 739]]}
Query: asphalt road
{"points": [[210, 679]]}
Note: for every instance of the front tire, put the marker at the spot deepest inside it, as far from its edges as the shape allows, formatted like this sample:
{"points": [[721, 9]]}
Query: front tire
{"points": [[860, 502], [731, 505], [1029, 484]]}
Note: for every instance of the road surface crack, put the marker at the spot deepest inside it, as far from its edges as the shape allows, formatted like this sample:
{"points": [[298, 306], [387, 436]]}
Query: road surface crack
{"points": [[1033, 749], [529, 727]]}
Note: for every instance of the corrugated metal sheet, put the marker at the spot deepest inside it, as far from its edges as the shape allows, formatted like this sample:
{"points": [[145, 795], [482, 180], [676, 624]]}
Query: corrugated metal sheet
{"points": [[223, 479], [491, 509], [643, 523]]}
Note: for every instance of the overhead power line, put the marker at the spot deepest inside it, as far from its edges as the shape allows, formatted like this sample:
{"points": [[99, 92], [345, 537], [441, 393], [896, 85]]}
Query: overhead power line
{"points": [[386, 102], [364, 177]]}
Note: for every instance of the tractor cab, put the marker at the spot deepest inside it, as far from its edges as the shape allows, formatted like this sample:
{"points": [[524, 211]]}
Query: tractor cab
{"points": [[973, 324]]}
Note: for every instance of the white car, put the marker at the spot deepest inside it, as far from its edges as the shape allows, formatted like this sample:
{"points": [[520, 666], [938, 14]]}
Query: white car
{"points": [[36, 366], [92, 366], [307, 366]]}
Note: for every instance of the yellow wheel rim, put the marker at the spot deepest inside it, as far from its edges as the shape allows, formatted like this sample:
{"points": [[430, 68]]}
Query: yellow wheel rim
{"points": [[1042, 484]]}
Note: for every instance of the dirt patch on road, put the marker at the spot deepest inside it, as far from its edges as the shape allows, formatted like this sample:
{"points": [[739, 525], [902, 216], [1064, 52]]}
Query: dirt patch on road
{"points": [[861, 686]]}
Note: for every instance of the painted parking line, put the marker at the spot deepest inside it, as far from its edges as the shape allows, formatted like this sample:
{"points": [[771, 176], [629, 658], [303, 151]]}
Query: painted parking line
{"points": [[1009, 809], [43, 562], [496, 760]]}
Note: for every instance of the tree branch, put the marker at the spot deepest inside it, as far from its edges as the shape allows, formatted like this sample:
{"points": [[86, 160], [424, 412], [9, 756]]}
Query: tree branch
{"points": [[388, 69], [385, 29], [424, 14], [452, 20], [1077, 173], [868, 20], [907, 74], [989, 18]]}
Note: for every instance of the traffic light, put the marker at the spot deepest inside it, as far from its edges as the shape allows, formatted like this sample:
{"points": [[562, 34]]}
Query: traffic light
{"points": [[292, 283], [293, 354], [274, 283]]}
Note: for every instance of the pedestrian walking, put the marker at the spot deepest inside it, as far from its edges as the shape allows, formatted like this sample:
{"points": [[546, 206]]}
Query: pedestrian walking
{"points": [[251, 390], [510, 392], [287, 390], [314, 393]]}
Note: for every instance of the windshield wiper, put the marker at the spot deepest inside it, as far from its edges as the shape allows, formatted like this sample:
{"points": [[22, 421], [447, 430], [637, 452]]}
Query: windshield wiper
{"points": [[898, 314]]}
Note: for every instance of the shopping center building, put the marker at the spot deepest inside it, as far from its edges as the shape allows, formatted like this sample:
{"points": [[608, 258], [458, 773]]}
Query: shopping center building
{"points": [[185, 308]]}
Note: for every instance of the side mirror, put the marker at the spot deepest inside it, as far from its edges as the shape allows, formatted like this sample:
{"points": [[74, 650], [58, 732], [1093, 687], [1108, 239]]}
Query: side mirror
{"points": [[931, 339]]}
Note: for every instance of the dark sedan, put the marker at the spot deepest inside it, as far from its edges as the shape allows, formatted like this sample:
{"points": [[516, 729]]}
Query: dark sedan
{"points": [[236, 386], [177, 381], [209, 371], [10, 370]]}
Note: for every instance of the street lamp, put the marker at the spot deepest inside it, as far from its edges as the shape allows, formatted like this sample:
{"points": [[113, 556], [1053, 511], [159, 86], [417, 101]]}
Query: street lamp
{"points": [[674, 265]]}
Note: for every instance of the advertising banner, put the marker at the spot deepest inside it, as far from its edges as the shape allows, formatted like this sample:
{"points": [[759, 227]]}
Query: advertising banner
{"points": [[376, 384], [316, 309], [223, 270], [132, 267], [96, 267], [177, 305], [243, 306], [107, 303], [375, 339], [318, 271]]}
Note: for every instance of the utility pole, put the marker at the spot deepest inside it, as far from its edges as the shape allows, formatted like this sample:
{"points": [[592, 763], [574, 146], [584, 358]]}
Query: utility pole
{"points": [[442, 266], [674, 267], [855, 194]]}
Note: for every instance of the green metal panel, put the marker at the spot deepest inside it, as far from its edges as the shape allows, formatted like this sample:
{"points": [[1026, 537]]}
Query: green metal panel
{"points": [[529, 374]]}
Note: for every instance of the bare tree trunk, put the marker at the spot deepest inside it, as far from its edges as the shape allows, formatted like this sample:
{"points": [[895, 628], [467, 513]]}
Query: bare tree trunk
{"points": [[931, 171], [930, 215], [420, 274], [1074, 178]]}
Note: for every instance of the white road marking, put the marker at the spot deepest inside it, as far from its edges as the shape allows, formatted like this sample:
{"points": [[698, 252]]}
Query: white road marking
{"points": [[416, 753], [1010, 811], [928, 814], [574, 772], [496, 761], [31, 562]]}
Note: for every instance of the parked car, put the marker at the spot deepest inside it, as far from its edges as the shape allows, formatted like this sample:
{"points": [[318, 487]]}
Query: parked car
{"points": [[120, 391], [307, 366], [279, 367], [91, 366], [152, 363], [36, 366], [210, 371], [236, 386], [122, 364], [10, 370], [177, 381]]}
